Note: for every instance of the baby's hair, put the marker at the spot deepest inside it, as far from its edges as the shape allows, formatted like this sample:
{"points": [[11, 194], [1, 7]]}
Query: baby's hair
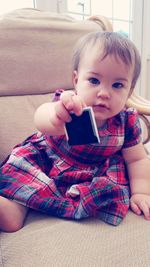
{"points": [[112, 43]]}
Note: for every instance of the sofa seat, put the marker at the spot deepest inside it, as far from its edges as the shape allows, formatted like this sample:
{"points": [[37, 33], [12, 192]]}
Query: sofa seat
{"points": [[51, 242]]}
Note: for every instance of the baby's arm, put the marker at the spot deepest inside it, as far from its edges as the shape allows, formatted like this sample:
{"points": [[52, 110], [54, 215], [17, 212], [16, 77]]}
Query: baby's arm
{"points": [[50, 118], [138, 166]]}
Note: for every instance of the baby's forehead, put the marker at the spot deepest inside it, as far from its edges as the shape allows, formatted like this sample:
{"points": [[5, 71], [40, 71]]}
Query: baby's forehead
{"points": [[102, 49]]}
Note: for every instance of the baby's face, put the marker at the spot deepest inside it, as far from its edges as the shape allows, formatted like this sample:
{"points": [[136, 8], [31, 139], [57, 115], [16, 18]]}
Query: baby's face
{"points": [[104, 84]]}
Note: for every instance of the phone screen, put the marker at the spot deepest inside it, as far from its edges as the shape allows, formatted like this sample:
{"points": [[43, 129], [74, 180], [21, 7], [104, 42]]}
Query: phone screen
{"points": [[82, 129]]}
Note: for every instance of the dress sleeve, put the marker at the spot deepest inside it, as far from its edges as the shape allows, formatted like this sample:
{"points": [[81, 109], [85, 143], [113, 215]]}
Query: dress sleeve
{"points": [[133, 131], [57, 95]]}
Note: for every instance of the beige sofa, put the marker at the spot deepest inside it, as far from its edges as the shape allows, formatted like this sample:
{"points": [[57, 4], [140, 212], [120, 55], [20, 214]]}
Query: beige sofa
{"points": [[35, 52]]}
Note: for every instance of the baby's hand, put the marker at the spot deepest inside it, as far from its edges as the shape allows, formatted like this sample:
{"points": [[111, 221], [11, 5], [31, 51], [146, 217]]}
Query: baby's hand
{"points": [[69, 102], [140, 203]]}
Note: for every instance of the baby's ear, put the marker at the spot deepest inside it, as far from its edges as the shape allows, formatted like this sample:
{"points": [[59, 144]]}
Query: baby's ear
{"points": [[75, 78]]}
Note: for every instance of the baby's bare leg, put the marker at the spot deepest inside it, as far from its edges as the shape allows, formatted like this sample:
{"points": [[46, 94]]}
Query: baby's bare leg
{"points": [[12, 215]]}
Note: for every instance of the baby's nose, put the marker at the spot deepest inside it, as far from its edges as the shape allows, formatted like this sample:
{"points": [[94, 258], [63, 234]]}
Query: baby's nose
{"points": [[103, 92]]}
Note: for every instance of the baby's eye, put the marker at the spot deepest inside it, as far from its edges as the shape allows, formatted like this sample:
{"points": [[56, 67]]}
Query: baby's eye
{"points": [[117, 85], [94, 81]]}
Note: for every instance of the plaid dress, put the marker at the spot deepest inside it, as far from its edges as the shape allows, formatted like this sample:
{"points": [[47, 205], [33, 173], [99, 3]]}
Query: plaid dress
{"points": [[46, 174]]}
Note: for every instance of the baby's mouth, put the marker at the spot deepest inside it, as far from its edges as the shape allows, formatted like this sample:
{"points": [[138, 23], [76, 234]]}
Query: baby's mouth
{"points": [[101, 106]]}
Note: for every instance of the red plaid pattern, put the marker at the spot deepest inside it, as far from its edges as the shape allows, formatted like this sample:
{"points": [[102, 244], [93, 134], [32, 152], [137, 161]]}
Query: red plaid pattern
{"points": [[46, 174]]}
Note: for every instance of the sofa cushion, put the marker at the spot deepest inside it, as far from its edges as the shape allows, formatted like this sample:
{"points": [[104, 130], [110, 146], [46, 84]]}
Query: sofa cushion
{"points": [[36, 49], [16, 117], [52, 242]]}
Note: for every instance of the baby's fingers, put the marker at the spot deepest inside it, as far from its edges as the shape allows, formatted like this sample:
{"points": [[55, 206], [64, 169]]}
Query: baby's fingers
{"points": [[141, 206], [78, 105], [72, 102], [61, 112], [67, 99], [135, 207], [145, 209]]}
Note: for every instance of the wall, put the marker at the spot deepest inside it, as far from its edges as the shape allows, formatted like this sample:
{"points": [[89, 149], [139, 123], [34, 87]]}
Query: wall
{"points": [[145, 74], [148, 78], [58, 6]]}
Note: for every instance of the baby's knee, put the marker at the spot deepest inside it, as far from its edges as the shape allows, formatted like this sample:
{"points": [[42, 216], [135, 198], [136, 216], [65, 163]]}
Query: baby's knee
{"points": [[8, 225], [11, 215]]}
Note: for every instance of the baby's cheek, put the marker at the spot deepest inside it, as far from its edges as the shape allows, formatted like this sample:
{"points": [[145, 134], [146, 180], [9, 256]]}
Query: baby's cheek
{"points": [[88, 100]]}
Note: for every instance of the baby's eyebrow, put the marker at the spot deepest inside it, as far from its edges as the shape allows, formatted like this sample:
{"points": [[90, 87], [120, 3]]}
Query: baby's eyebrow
{"points": [[121, 79], [92, 72]]}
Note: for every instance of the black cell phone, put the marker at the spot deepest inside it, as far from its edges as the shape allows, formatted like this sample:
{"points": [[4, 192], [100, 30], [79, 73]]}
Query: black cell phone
{"points": [[82, 129]]}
